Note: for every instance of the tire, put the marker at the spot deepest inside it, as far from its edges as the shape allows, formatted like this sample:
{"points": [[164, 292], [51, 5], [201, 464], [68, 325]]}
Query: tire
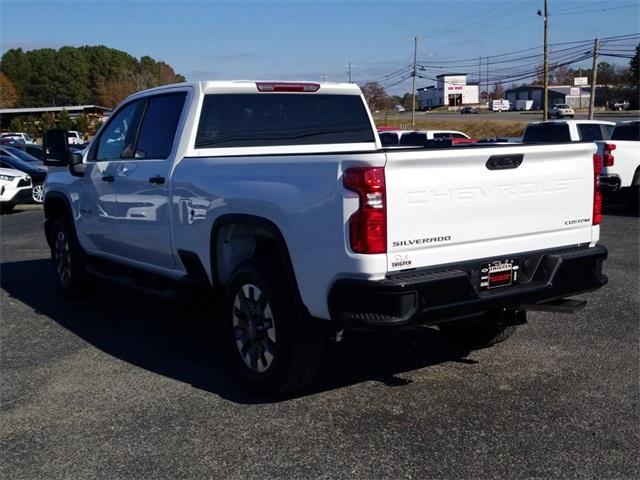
{"points": [[37, 193], [273, 351], [481, 334], [67, 258]]}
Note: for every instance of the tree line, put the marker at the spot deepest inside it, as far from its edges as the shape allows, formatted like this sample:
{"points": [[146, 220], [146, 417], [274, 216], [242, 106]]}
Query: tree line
{"points": [[88, 75]]}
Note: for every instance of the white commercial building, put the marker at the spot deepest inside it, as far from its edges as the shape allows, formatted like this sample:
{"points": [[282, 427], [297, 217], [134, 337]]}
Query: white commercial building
{"points": [[450, 90]]}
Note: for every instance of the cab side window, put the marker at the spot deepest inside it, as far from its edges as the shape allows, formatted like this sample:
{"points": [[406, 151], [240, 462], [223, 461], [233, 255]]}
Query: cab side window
{"points": [[118, 137], [159, 125]]}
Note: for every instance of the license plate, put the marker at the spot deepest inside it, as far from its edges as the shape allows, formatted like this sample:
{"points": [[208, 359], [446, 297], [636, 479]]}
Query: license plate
{"points": [[498, 274]]}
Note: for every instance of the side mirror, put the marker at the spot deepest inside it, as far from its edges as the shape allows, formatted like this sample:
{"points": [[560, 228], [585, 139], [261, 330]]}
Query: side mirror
{"points": [[56, 148], [76, 165]]}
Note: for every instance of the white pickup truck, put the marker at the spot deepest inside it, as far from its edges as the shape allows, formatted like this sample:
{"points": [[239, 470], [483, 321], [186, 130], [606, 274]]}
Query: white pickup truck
{"points": [[277, 200], [621, 158]]}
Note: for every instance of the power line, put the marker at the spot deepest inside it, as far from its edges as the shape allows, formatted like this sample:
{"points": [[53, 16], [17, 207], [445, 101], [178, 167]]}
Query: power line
{"points": [[580, 12]]}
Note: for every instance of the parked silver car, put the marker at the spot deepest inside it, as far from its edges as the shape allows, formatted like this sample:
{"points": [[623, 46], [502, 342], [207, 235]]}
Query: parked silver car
{"points": [[560, 110]]}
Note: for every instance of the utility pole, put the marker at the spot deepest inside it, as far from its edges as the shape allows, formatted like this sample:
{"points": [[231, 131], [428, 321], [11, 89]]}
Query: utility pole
{"points": [[594, 76], [350, 73], [487, 88], [413, 88], [479, 78], [545, 69], [324, 77]]}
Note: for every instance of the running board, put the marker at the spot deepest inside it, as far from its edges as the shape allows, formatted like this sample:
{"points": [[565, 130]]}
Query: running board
{"points": [[166, 289], [562, 305]]}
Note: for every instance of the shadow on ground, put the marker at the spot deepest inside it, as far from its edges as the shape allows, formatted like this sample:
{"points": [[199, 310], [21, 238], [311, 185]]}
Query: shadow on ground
{"points": [[620, 204], [178, 340]]}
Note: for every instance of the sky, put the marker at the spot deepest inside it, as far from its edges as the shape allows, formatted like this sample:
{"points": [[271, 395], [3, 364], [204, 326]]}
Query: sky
{"points": [[314, 40]]}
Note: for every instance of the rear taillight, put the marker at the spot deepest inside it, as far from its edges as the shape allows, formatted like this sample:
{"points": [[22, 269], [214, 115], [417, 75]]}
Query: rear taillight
{"points": [[608, 156], [597, 194], [287, 87], [368, 225]]}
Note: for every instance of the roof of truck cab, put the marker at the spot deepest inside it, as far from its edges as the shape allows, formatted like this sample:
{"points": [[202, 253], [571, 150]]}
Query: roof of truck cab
{"points": [[250, 86], [575, 122]]}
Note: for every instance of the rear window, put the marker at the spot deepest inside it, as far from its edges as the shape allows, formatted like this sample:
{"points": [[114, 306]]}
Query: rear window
{"points": [[627, 132], [590, 132], [271, 119], [388, 139], [547, 133], [413, 139]]}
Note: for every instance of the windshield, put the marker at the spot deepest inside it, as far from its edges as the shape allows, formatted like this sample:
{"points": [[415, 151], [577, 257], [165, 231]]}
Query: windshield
{"points": [[547, 133]]}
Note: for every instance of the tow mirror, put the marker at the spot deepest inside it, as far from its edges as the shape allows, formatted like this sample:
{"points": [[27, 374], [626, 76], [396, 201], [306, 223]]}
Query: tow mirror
{"points": [[56, 148]]}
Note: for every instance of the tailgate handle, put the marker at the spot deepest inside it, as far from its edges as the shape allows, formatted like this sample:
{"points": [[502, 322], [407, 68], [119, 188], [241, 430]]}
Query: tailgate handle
{"points": [[502, 162]]}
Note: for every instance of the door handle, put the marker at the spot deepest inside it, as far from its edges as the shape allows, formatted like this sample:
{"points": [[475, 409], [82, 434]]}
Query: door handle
{"points": [[107, 178], [157, 180], [503, 162]]}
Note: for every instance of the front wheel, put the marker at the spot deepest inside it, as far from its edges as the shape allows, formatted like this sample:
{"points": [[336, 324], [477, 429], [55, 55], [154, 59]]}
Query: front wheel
{"points": [[66, 256], [37, 193], [271, 349]]}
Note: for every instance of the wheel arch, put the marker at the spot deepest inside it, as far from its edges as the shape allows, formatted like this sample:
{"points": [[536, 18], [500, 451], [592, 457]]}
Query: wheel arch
{"points": [[57, 205], [268, 241]]}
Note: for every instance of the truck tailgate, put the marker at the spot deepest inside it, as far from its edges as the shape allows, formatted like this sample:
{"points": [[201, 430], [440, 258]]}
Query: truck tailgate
{"points": [[450, 205]]}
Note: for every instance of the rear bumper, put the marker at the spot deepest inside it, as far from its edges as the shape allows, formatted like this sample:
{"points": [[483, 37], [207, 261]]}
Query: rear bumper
{"points": [[434, 296], [610, 183]]}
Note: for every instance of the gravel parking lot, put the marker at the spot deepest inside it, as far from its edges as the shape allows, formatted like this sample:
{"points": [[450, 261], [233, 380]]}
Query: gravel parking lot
{"points": [[117, 385]]}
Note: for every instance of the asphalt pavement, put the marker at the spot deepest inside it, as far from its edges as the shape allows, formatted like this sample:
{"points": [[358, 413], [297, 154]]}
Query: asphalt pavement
{"points": [[117, 385]]}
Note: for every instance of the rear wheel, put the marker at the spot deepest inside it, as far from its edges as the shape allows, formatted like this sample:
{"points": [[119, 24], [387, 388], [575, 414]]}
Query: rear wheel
{"points": [[66, 256], [481, 334], [272, 350]]}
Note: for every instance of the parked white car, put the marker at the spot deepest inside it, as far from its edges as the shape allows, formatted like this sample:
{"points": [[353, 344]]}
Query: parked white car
{"points": [[561, 110], [19, 136], [74, 137], [15, 188]]}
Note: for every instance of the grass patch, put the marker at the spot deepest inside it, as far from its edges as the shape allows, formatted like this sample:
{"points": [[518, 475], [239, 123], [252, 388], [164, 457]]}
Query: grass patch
{"points": [[476, 128]]}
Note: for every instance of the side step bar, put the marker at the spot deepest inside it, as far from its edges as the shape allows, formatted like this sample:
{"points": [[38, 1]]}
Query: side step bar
{"points": [[562, 305], [169, 290]]}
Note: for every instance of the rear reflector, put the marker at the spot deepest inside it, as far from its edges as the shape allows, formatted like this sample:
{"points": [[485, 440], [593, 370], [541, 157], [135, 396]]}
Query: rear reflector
{"points": [[368, 225], [597, 194], [287, 87], [608, 156]]}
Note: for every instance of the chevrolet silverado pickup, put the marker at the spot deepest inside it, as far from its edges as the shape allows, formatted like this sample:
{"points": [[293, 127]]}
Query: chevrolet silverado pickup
{"points": [[621, 161], [277, 201]]}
